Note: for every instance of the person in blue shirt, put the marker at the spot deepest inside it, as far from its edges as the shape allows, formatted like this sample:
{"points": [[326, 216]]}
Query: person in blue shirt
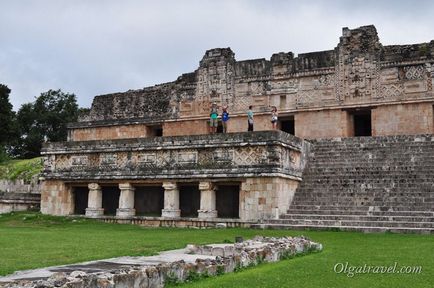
{"points": [[225, 118]]}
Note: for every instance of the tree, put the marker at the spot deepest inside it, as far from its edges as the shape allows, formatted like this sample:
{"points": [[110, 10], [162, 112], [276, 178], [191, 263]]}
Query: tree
{"points": [[45, 119], [7, 116], [8, 133]]}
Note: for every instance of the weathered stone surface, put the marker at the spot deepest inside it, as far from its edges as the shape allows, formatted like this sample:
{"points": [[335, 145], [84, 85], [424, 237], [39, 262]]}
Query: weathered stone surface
{"points": [[224, 155], [145, 272], [10, 201], [360, 71], [365, 184]]}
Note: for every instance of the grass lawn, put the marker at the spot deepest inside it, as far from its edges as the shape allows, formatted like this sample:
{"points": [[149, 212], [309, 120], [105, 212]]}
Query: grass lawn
{"points": [[30, 240]]}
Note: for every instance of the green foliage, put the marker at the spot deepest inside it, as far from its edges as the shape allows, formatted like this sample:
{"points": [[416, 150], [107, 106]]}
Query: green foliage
{"points": [[8, 131], [424, 49], [3, 155], [20, 169], [45, 119], [220, 270], [171, 280], [193, 276]]}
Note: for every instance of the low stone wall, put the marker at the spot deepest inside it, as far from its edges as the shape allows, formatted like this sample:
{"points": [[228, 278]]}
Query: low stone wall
{"points": [[10, 202], [226, 258], [19, 195], [20, 186], [178, 222]]}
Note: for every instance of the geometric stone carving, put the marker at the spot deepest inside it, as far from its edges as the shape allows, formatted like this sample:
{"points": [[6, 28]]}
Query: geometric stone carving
{"points": [[187, 157], [249, 156], [414, 72], [223, 155], [146, 158], [79, 160], [108, 159], [392, 91]]}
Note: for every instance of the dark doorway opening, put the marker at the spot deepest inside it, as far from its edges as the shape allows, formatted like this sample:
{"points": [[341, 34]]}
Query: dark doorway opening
{"points": [[156, 131], [149, 200], [189, 200], [81, 195], [219, 126], [287, 125], [110, 199], [228, 201], [362, 123]]}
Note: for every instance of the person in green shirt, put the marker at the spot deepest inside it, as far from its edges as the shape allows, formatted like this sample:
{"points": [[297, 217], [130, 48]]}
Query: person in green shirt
{"points": [[250, 119], [213, 121]]}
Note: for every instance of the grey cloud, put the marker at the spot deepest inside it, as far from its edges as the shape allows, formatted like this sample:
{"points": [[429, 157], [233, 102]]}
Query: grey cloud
{"points": [[96, 47]]}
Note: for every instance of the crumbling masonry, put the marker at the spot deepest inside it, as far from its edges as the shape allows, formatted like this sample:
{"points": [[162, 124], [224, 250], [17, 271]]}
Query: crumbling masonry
{"points": [[145, 156]]}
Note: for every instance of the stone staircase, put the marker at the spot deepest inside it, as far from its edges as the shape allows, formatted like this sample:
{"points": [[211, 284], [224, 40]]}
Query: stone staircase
{"points": [[370, 184]]}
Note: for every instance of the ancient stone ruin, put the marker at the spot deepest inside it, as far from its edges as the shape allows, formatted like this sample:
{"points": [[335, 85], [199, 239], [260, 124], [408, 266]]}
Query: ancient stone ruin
{"points": [[170, 266], [360, 156]]}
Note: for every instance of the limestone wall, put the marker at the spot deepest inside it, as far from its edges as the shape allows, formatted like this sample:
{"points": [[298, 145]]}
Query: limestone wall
{"points": [[266, 153], [20, 186], [110, 132], [19, 195], [10, 201], [56, 198], [401, 119], [265, 197], [322, 124], [360, 71]]}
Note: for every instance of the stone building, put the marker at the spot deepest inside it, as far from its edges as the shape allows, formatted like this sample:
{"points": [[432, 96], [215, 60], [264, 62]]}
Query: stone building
{"points": [[148, 152]]}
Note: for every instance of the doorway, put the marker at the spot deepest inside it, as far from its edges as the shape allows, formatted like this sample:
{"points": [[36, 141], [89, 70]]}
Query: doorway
{"points": [[228, 201], [110, 199], [362, 123], [287, 124], [81, 195], [189, 200], [149, 200]]}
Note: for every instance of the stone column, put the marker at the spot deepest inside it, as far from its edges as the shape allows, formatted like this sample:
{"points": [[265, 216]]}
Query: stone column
{"points": [[94, 203], [207, 201], [171, 200], [126, 201]]}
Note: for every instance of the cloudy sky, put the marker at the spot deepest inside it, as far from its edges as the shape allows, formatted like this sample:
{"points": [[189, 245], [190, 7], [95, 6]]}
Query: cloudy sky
{"points": [[93, 47]]}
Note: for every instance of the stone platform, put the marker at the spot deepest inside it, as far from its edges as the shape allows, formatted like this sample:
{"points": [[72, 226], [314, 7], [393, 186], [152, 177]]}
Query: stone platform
{"points": [[154, 271]]}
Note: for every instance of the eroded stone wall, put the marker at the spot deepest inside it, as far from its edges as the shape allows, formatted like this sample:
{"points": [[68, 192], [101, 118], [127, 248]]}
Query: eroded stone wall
{"points": [[360, 71], [401, 119], [265, 197], [56, 198]]}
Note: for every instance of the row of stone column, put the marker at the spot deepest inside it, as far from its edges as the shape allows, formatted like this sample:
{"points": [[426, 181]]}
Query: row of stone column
{"points": [[171, 201]]}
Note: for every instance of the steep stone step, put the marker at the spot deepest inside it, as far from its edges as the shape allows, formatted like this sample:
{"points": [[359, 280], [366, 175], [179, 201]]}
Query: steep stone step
{"points": [[369, 229], [357, 217], [367, 184], [358, 212], [352, 223]]}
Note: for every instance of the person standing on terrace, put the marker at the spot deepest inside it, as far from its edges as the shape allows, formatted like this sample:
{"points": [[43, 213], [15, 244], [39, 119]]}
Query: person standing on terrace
{"points": [[274, 117], [250, 118], [213, 121], [225, 119]]}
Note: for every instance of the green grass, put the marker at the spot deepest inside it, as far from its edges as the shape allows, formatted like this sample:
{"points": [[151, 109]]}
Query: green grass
{"points": [[20, 169], [30, 240]]}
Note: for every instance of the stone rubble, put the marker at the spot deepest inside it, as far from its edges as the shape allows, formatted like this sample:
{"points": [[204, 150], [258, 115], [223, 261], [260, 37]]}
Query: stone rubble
{"points": [[214, 259]]}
